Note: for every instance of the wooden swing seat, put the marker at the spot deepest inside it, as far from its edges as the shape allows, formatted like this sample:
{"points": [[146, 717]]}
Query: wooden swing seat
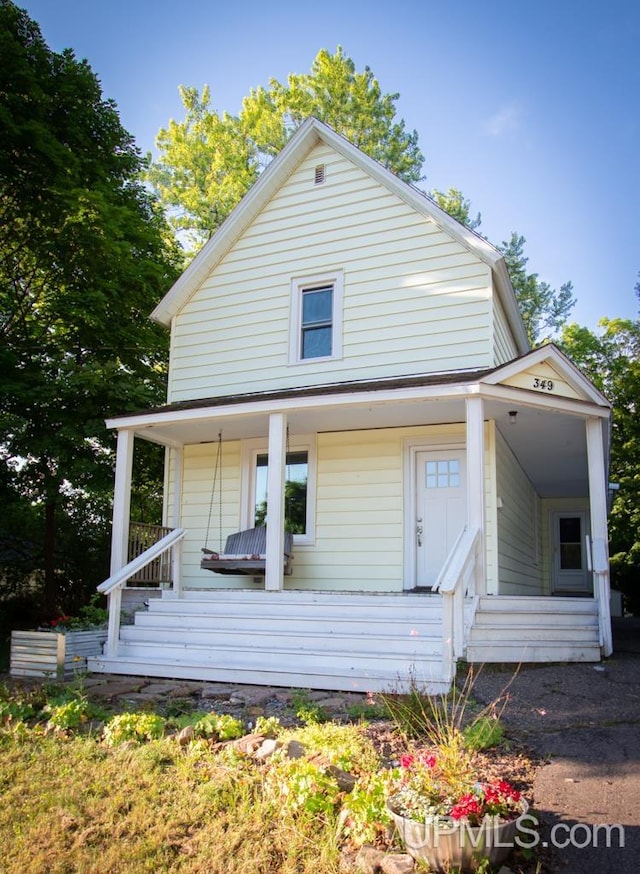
{"points": [[244, 553]]}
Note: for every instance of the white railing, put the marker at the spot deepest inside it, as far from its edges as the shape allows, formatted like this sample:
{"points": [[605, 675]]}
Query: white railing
{"points": [[114, 585], [457, 580]]}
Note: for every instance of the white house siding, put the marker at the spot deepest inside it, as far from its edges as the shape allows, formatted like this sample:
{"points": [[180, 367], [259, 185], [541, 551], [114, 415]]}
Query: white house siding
{"points": [[360, 501], [519, 553], [504, 347], [415, 300], [199, 465]]}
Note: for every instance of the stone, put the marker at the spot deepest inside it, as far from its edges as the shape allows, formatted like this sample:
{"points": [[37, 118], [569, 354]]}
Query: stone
{"points": [[117, 688], [332, 704], [397, 863], [344, 779], [369, 860], [249, 743], [295, 750], [186, 735], [266, 749], [220, 691]]}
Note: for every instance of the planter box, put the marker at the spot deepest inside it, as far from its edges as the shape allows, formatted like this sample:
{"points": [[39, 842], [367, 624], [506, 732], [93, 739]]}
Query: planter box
{"points": [[53, 653]]}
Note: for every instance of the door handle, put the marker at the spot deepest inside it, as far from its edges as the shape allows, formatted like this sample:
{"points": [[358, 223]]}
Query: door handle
{"points": [[419, 531]]}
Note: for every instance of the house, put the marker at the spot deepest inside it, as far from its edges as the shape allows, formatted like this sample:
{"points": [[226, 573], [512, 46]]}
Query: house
{"points": [[342, 341]]}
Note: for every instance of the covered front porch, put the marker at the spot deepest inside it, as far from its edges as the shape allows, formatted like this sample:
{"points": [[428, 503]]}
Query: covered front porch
{"points": [[376, 534]]}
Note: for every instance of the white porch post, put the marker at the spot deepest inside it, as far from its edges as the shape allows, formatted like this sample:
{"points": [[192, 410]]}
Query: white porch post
{"points": [[599, 534], [177, 460], [475, 485], [120, 531], [274, 565]]}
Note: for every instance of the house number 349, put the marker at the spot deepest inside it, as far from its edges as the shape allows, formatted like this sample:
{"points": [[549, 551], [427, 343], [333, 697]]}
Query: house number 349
{"points": [[543, 384]]}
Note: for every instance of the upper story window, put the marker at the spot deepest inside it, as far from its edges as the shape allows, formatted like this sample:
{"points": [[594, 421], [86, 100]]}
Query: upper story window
{"points": [[316, 318]]}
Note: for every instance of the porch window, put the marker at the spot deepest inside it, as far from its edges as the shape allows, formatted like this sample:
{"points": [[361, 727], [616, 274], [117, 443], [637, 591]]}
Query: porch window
{"points": [[299, 490], [316, 318], [295, 491]]}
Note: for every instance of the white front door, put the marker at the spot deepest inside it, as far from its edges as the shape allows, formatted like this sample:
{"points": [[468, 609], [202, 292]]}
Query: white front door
{"points": [[570, 574], [441, 509]]}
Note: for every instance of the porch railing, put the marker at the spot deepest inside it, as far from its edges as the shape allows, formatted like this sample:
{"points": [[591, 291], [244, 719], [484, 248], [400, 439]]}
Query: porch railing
{"points": [[455, 582], [141, 537], [115, 583]]}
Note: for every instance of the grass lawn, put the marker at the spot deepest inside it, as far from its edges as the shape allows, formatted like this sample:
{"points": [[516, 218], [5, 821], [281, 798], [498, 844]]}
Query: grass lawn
{"points": [[85, 790]]}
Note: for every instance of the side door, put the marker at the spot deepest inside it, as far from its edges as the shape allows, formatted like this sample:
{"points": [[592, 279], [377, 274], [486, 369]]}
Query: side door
{"points": [[570, 574]]}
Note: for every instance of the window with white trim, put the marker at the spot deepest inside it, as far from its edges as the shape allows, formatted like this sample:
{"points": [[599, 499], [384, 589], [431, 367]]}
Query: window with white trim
{"points": [[300, 476], [316, 317]]}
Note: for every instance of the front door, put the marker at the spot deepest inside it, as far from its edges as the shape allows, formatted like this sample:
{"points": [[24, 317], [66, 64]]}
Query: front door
{"points": [[570, 574], [441, 509]]}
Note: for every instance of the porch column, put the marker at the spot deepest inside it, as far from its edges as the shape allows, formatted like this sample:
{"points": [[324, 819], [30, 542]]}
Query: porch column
{"points": [[599, 534], [274, 566], [121, 501], [176, 455], [119, 532], [475, 485]]}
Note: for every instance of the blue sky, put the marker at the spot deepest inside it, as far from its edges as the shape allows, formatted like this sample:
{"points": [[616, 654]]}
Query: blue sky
{"points": [[531, 108]]}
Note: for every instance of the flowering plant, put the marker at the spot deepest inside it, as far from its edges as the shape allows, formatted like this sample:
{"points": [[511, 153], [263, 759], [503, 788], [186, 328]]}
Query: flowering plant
{"points": [[90, 616], [425, 790]]}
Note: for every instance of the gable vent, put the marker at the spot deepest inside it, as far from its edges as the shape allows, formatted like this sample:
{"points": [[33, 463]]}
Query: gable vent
{"points": [[319, 174]]}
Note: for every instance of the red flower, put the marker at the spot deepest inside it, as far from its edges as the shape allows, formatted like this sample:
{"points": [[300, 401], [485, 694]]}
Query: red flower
{"points": [[407, 761], [468, 806]]}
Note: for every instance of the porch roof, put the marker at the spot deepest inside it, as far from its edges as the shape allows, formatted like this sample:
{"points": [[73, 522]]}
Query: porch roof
{"points": [[548, 438]]}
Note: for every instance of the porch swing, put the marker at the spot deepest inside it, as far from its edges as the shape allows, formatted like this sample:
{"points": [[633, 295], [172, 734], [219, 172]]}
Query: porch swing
{"points": [[245, 551]]}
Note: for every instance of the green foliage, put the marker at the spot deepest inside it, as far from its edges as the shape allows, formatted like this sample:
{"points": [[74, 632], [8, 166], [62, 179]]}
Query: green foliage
{"points": [[300, 785], [457, 206], [84, 257], [305, 709], [544, 309], [208, 161], [483, 734], [210, 725], [136, 727], [610, 357], [268, 726], [351, 103], [69, 714], [364, 817]]}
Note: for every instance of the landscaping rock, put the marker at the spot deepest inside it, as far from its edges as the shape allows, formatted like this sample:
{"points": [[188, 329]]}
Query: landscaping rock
{"points": [[186, 735], [249, 743], [369, 860], [266, 749], [295, 750], [344, 779], [397, 863]]}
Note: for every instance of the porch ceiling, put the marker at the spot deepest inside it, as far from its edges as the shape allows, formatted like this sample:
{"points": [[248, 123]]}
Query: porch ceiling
{"points": [[550, 444]]}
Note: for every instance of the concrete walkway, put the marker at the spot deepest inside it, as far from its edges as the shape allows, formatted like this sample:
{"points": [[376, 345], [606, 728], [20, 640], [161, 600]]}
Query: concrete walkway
{"points": [[585, 721]]}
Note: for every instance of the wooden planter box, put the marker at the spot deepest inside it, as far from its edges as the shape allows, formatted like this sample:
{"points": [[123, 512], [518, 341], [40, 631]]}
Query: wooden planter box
{"points": [[53, 653]]}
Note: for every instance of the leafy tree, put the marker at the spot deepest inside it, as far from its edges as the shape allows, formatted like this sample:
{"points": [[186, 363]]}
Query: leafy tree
{"points": [[457, 206], [208, 161], [611, 359], [84, 256], [206, 164], [544, 309]]}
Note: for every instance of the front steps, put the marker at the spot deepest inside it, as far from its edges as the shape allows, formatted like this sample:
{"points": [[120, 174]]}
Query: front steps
{"points": [[534, 629], [314, 640]]}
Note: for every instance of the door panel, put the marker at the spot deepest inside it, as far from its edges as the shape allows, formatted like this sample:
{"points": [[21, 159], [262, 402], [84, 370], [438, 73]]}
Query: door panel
{"points": [[441, 509], [570, 572]]}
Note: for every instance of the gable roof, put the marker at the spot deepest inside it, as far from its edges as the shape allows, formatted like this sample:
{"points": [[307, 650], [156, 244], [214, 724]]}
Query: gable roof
{"points": [[548, 370], [309, 134]]}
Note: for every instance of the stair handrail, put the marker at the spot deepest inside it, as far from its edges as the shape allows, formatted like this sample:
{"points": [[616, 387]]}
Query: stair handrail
{"points": [[114, 584], [454, 582]]}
